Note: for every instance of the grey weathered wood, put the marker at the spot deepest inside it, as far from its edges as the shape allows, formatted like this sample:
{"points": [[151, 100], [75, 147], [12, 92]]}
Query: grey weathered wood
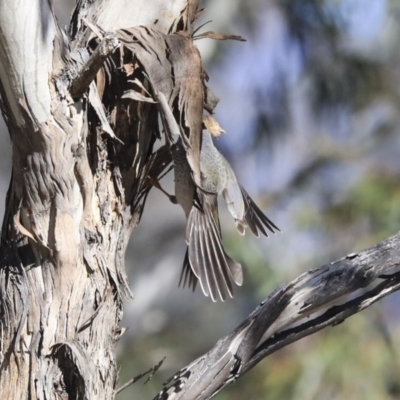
{"points": [[318, 298]]}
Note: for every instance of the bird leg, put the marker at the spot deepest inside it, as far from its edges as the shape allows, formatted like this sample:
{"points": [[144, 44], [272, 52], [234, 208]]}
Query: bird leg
{"points": [[156, 183]]}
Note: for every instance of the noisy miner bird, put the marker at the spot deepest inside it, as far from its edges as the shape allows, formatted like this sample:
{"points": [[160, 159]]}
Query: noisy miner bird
{"points": [[206, 260]]}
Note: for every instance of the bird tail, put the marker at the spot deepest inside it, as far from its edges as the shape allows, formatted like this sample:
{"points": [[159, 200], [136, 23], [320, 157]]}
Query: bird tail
{"points": [[187, 278], [206, 256]]}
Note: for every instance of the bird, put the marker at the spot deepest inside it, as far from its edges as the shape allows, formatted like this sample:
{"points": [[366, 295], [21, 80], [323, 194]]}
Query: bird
{"points": [[206, 260]]}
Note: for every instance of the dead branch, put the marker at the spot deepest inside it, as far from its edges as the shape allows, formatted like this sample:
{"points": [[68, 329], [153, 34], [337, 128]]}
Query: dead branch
{"points": [[321, 297]]}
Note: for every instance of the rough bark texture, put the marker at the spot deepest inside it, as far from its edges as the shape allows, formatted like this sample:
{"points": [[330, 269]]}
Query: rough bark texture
{"points": [[82, 153]]}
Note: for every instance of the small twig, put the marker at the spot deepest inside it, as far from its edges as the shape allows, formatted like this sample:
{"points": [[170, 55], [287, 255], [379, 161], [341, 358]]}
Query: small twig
{"points": [[89, 70], [218, 36], [151, 371]]}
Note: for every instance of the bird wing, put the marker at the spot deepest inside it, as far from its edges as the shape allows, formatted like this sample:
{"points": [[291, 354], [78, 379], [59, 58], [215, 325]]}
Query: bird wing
{"points": [[255, 219], [235, 201]]}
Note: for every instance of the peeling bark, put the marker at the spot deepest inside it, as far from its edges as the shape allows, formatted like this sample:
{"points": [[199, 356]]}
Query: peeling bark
{"points": [[82, 155]]}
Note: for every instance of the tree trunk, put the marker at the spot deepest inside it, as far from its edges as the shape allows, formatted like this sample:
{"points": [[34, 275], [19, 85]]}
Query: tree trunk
{"points": [[81, 158]]}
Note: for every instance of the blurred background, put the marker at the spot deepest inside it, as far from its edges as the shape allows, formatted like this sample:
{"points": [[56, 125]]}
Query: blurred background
{"points": [[311, 107]]}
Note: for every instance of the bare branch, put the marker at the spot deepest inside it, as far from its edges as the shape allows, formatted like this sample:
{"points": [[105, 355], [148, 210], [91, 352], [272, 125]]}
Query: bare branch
{"points": [[333, 316], [316, 299]]}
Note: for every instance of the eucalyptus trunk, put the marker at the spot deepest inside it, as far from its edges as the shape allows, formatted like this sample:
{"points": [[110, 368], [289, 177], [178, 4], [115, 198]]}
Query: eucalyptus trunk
{"points": [[81, 157]]}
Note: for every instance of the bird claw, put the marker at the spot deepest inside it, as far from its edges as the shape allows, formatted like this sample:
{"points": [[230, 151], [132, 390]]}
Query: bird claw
{"points": [[156, 184]]}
